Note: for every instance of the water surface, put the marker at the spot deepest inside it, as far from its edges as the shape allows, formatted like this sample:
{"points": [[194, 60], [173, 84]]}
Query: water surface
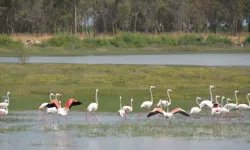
{"points": [[114, 133], [170, 59]]}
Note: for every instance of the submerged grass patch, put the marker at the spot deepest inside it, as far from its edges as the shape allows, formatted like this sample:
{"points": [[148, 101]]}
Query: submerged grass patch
{"points": [[10, 129], [30, 84], [163, 129]]}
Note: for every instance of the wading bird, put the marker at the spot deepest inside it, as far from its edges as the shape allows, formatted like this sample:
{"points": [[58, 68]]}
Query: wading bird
{"points": [[6, 101], [165, 103], [224, 110], [231, 106], [208, 103], [53, 110], [216, 109], [242, 107], [42, 107], [93, 106], [196, 110], [148, 104], [3, 111], [168, 115], [128, 108], [63, 111], [121, 112]]}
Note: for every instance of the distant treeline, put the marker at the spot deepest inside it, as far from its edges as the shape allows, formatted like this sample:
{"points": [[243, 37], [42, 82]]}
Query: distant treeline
{"points": [[110, 16]]}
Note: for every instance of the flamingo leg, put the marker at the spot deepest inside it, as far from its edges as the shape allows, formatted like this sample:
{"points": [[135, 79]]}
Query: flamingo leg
{"points": [[96, 118], [86, 115]]}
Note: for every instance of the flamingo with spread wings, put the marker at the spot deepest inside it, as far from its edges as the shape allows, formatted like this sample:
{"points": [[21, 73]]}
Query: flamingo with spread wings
{"points": [[168, 115], [63, 111]]}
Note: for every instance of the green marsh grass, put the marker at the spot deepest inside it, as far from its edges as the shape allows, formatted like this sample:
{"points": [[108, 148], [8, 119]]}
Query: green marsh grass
{"points": [[123, 44], [163, 129], [10, 129], [30, 84]]}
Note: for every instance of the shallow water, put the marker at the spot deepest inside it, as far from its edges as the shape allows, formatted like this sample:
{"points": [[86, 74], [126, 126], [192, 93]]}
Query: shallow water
{"points": [[170, 59], [25, 130]]}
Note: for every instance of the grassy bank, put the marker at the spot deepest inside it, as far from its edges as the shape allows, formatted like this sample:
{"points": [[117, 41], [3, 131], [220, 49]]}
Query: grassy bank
{"points": [[129, 43], [30, 84]]}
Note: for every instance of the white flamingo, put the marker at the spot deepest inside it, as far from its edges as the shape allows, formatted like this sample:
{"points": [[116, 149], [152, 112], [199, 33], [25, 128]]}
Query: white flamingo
{"points": [[208, 103], [196, 110], [121, 112], [165, 103], [6, 101], [93, 106], [224, 110], [148, 104], [168, 115], [3, 111], [231, 106], [242, 107], [42, 107], [127, 108]]}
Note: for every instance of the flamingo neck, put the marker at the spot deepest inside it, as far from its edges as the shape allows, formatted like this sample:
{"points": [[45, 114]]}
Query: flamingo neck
{"points": [[169, 97], [8, 97], [197, 102], [96, 98], [248, 100], [120, 103], [211, 95], [222, 101], [151, 94], [131, 104], [50, 97], [235, 94]]}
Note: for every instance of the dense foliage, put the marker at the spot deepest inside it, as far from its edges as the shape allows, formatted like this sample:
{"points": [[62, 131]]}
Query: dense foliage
{"points": [[109, 16]]}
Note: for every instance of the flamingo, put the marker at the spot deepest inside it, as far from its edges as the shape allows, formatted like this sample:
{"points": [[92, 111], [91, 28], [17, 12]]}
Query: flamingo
{"points": [[93, 106], [196, 110], [42, 106], [148, 104], [168, 115], [53, 110], [224, 110], [6, 101], [242, 107], [63, 111], [127, 108], [3, 111], [165, 103], [231, 106], [121, 112], [208, 103], [216, 109]]}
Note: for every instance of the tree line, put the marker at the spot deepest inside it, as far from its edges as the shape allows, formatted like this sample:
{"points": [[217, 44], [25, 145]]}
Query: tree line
{"points": [[110, 16]]}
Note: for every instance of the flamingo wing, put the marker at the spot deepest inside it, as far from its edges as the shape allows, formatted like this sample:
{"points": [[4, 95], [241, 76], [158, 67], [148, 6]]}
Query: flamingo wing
{"points": [[216, 105], [72, 102], [155, 111], [53, 103], [181, 111]]}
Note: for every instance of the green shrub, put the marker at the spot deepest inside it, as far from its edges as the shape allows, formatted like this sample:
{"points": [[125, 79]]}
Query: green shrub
{"points": [[65, 41], [191, 39], [213, 39], [247, 40], [7, 42]]}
